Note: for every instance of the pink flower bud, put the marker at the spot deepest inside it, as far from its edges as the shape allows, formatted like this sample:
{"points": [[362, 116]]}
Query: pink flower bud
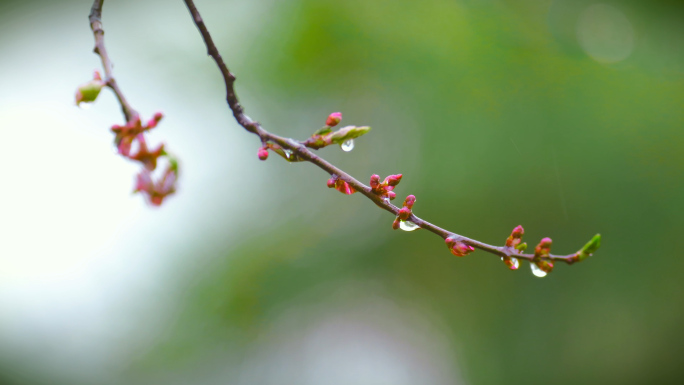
{"points": [[404, 213], [543, 248], [544, 265], [333, 119], [331, 183], [516, 237], [393, 180], [344, 187], [409, 201], [263, 153], [375, 181], [395, 224], [391, 195], [152, 123], [458, 248]]}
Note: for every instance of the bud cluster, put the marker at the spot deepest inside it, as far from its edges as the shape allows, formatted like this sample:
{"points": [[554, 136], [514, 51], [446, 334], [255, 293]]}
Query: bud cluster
{"points": [[458, 247], [340, 185], [541, 255], [131, 133], [405, 212], [127, 134], [325, 136], [384, 189]]}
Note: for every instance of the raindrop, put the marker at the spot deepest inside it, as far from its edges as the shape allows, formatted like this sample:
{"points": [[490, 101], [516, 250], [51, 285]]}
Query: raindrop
{"points": [[288, 153], [408, 226], [348, 145], [386, 198], [513, 263], [84, 105], [537, 271]]}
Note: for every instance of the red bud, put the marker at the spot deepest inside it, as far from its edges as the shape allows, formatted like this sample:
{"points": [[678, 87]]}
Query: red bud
{"points": [[404, 213], [393, 180], [333, 119], [263, 153]]}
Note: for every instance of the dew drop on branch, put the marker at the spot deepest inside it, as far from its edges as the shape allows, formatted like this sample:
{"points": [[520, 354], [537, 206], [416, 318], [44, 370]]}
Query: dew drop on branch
{"points": [[287, 152], [347, 145], [513, 263], [408, 226], [85, 105], [537, 271]]}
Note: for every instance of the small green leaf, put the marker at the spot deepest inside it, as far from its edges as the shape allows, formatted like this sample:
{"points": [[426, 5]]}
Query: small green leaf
{"points": [[346, 133], [590, 248]]}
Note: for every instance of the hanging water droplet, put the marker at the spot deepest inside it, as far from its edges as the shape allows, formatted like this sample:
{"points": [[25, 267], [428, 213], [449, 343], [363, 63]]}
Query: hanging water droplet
{"points": [[348, 145], [85, 105], [288, 153], [513, 263], [408, 226], [537, 271], [386, 198]]}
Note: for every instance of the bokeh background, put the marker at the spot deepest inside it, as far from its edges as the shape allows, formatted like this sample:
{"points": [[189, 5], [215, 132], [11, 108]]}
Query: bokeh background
{"points": [[564, 116]]}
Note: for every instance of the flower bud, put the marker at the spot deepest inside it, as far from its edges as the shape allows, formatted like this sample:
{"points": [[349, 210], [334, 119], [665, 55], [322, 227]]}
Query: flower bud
{"points": [[263, 153], [152, 123], [458, 248], [409, 201], [516, 237], [393, 180], [396, 223], [404, 213], [391, 195], [543, 248], [331, 183], [374, 181], [544, 265], [333, 119]]}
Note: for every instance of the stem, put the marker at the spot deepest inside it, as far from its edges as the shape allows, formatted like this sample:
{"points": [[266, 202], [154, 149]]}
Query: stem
{"points": [[95, 18]]}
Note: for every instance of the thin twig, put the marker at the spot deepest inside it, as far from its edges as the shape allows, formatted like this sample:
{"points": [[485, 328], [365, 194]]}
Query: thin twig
{"points": [[95, 18], [304, 153]]}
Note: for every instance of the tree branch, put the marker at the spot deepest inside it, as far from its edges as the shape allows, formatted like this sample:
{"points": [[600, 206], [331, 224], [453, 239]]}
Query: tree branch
{"points": [[303, 153], [134, 129], [96, 25]]}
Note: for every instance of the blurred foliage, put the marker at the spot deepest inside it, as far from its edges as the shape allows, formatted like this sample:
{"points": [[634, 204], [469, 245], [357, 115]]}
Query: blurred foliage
{"points": [[497, 117]]}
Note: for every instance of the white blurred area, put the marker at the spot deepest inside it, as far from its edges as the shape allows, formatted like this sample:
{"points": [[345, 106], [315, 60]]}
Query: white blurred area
{"points": [[87, 269], [84, 263], [363, 339]]}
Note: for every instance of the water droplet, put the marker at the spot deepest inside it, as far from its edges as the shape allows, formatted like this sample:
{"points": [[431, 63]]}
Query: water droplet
{"points": [[84, 105], [348, 145], [513, 263], [408, 226], [288, 153], [537, 271], [386, 199]]}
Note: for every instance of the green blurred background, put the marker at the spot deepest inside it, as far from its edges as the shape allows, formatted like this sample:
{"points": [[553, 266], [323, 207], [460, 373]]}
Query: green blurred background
{"points": [[563, 116]]}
